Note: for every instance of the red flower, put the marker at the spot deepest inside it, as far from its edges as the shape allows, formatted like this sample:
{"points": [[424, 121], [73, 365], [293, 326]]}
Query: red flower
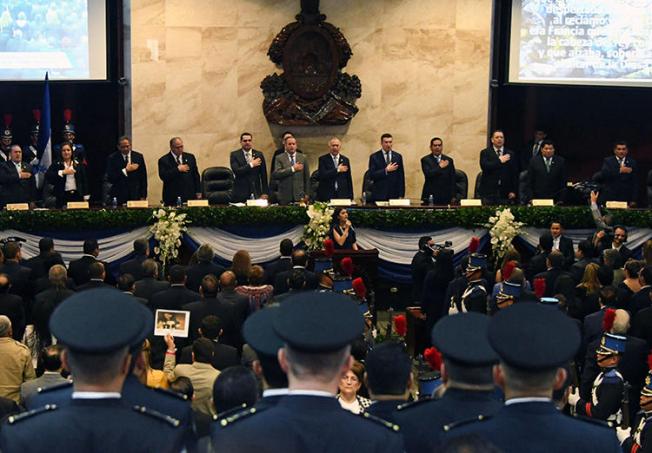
{"points": [[433, 357], [329, 247], [400, 325]]}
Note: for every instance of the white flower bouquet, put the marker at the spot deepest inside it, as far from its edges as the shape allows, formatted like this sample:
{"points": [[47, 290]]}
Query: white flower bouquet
{"points": [[503, 228], [167, 231], [320, 215]]}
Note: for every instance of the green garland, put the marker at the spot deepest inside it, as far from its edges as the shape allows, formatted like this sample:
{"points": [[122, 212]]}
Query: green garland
{"points": [[476, 217]]}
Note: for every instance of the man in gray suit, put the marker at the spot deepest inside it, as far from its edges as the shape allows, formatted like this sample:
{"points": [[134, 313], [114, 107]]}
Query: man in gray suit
{"points": [[50, 357], [292, 174]]}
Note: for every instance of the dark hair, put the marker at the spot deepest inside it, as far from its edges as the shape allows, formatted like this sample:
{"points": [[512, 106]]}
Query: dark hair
{"points": [[336, 214], [173, 139], [385, 135], [50, 358], [11, 250], [257, 275], [608, 296], [605, 275], [96, 269], [45, 245], [297, 279], [150, 268], [470, 375], [495, 131], [141, 246], [646, 273], [210, 327], [177, 274], [556, 259], [432, 140], [205, 253], [272, 372], [183, 386], [282, 136], [423, 240], [622, 227], [556, 221], [209, 285], [126, 282], [90, 245], [388, 369], [203, 350], [633, 267], [587, 249], [545, 242], [286, 247], [235, 386], [245, 133], [620, 142], [124, 137], [547, 142]]}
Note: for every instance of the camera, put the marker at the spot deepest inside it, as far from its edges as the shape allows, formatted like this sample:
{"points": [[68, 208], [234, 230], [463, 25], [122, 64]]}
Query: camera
{"points": [[445, 245]]}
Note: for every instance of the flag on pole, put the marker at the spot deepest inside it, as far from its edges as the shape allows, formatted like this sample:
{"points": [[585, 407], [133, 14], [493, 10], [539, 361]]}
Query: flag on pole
{"points": [[44, 145]]}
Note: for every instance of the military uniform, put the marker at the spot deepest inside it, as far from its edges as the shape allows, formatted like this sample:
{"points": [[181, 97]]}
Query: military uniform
{"points": [[534, 340], [641, 440], [305, 420]]}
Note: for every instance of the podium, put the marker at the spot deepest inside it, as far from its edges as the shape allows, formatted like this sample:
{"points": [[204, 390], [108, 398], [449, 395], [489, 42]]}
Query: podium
{"points": [[366, 261]]}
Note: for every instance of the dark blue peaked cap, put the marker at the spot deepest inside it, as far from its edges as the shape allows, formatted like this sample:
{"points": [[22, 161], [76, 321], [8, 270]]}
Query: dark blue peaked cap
{"points": [[462, 338], [100, 321], [532, 337], [318, 322], [258, 331]]}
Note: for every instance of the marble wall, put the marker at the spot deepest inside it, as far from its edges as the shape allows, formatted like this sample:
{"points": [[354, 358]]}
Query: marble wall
{"points": [[424, 66]]}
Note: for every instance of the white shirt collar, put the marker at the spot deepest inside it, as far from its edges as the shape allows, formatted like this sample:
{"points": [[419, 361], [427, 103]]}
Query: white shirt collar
{"points": [[530, 399], [95, 395], [275, 392], [310, 393]]}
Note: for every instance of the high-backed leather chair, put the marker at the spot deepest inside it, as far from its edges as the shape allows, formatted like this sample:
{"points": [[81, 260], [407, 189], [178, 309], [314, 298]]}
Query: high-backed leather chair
{"points": [[648, 187], [106, 191], [49, 200], [217, 185], [367, 186], [524, 195], [461, 185], [476, 189], [313, 190]]}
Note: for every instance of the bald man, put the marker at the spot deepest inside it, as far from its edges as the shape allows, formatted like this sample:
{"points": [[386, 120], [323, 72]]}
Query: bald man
{"points": [[334, 173]]}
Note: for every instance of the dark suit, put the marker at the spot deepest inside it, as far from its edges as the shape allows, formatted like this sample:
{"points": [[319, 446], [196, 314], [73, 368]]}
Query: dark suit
{"points": [[544, 183], [619, 186], [328, 177], [592, 327], [386, 185], [577, 269], [640, 300], [129, 186], [40, 264], [284, 263], [439, 182], [20, 278], [281, 280], [248, 179], [422, 422], [528, 152], [224, 356], [538, 427], [642, 326], [197, 272], [59, 182], [44, 304], [94, 284], [134, 267], [14, 189], [498, 179], [148, 286], [12, 307], [422, 262], [292, 185], [567, 249], [216, 307], [240, 304], [173, 298], [78, 269], [175, 183], [551, 276]]}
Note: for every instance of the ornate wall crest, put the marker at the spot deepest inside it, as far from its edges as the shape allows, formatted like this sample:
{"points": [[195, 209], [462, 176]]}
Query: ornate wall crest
{"points": [[312, 89]]}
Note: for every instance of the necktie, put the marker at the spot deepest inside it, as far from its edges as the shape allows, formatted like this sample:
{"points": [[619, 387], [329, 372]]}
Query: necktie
{"points": [[438, 158], [388, 158], [499, 152], [292, 160], [248, 157], [335, 162], [548, 165], [535, 149], [179, 160]]}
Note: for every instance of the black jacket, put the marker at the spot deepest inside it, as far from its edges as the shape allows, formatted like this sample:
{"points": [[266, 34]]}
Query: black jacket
{"points": [[619, 186], [498, 179], [544, 184], [386, 185], [248, 179], [172, 298], [439, 182], [59, 182], [224, 356], [328, 175], [177, 184], [133, 185], [197, 272], [14, 189]]}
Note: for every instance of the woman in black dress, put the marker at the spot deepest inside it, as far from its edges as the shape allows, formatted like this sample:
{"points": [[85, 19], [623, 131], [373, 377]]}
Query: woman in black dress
{"points": [[68, 178], [342, 231]]}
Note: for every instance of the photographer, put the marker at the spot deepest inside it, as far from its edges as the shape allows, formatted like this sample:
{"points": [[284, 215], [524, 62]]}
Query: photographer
{"points": [[434, 303], [606, 236], [422, 262]]}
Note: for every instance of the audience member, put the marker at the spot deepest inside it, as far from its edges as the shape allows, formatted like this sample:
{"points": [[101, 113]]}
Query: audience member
{"points": [[15, 362], [349, 388], [176, 295], [554, 271], [284, 263], [562, 243], [149, 285], [422, 262], [613, 261], [97, 275], [592, 325], [134, 266], [235, 388], [127, 285], [202, 422], [45, 302], [204, 266], [79, 269], [299, 262], [647, 252], [50, 360], [584, 255], [641, 299], [257, 291], [47, 257], [586, 292], [224, 356], [153, 378], [538, 261], [630, 285], [19, 276], [241, 266], [12, 306]]}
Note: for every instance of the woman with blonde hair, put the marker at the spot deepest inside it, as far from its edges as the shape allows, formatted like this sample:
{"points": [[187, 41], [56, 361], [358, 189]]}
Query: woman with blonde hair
{"points": [[151, 377], [241, 266]]}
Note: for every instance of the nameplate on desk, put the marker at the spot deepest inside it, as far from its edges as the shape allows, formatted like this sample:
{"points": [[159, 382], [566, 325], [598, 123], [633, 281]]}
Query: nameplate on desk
{"points": [[17, 207], [258, 203], [382, 204], [399, 202], [137, 204], [543, 202], [616, 205], [197, 203], [340, 202], [77, 205], [468, 202]]}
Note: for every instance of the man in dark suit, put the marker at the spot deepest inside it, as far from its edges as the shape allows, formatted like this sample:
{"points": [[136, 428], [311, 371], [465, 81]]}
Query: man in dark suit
{"points": [[284, 263], [619, 176], [554, 271], [179, 173], [562, 243], [47, 257], [422, 262], [20, 276], [334, 174], [641, 299], [205, 265], [499, 171], [12, 307], [97, 275], [299, 261], [439, 173], [46, 301], [387, 172], [585, 254], [248, 166], [176, 295], [134, 266], [531, 149], [78, 269], [538, 261], [224, 355], [149, 285], [642, 326], [547, 174], [126, 171], [615, 241], [239, 302], [592, 323], [291, 173], [210, 304], [127, 285], [16, 179]]}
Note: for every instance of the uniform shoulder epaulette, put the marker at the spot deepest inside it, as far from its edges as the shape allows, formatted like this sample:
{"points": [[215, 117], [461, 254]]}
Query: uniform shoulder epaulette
{"points": [[158, 415], [466, 421], [230, 412], [594, 421], [389, 425], [25, 415], [415, 403], [612, 376], [51, 388], [239, 416], [167, 392]]}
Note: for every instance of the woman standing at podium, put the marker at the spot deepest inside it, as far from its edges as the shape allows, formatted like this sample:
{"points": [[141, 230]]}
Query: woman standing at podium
{"points": [[342, 231], [68, 178]]}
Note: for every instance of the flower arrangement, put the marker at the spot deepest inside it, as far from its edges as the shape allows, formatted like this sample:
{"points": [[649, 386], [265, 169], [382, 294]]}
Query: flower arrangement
{"points": [[314, 234], [396, 329], [167, 230], [503, 228]]}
